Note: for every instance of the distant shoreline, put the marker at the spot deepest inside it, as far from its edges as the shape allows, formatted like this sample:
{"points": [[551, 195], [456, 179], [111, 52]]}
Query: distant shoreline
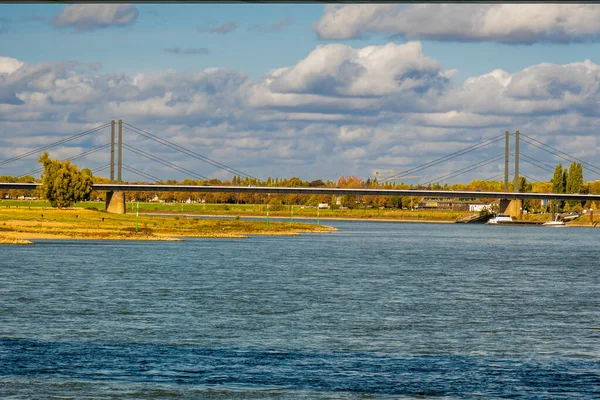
{"points": [[263, 217], [19, 226], [576, 223]]}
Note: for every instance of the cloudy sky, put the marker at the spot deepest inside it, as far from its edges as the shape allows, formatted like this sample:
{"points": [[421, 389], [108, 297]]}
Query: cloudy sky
{"points": [[308, 90]]}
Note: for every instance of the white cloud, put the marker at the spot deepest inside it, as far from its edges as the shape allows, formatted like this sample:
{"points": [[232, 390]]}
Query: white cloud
{"points": [[9, 65], [84, 17], [540, 89], [394, 110], [356, 135], [259, 96], [341, 70], [505, 23], [458, 119]]}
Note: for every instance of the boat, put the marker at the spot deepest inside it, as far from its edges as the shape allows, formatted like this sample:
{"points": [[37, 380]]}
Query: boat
{"points": [[499, 218], [555, 220], [556, 224]]}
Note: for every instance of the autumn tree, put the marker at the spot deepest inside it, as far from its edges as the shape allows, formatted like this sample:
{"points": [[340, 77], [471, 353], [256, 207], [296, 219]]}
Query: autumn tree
{"points": [[557, 180], [575, 178], [575, 181], [63, 183], [558, 184]]}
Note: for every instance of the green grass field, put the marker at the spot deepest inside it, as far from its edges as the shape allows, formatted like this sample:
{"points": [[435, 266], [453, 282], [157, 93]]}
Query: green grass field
{"points": [[17, 221], [261, 210], [296, 211]]}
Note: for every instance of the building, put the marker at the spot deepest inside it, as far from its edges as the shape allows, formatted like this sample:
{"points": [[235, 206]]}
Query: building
{"points": [[478, 207], [454, 204]]}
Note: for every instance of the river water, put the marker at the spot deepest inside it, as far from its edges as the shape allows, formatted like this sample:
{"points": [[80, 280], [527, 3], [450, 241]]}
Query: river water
{"points": [[388, 310]]}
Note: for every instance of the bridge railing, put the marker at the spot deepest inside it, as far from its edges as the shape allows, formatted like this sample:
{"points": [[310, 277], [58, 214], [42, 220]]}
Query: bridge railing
{"points": [[328, 191]]}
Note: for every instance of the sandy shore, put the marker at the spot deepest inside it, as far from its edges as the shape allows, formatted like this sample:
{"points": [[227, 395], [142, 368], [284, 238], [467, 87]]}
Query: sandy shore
{"points": [[88, 225], [38, 235], [27, 237], [13, 240], [425, 221]]}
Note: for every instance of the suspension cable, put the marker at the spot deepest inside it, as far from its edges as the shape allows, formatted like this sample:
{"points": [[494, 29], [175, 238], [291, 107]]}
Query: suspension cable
{"points": [[465, 169], [163, 162], [493, 178], [589, 167], [191, 153], [141, 173], [85, 153], [100, 168], [564, 158], [536, 165], [51, 145], [446, 157], [559, 151], [529, 178], [543, 165]]}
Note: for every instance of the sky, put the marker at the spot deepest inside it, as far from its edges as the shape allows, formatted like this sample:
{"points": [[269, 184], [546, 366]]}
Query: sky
{"points": [[309, 90]]}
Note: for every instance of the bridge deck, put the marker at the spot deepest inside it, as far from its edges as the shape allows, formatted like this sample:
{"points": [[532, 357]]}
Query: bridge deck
{"points": [[330, 191]]}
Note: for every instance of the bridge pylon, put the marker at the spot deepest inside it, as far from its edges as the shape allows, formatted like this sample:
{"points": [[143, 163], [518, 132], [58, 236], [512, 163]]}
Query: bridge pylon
{"points": [[115, 200], [513, 207]]}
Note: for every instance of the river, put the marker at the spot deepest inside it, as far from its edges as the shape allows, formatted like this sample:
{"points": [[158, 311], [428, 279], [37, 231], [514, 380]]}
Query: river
{"points": [[391, 310]]}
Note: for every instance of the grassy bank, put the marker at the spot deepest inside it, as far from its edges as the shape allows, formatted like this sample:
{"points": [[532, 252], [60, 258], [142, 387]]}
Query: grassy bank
{"points": [[261, 210], [79, 223]]}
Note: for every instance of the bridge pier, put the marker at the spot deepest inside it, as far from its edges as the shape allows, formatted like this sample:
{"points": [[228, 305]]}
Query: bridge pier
{"points": [[514, 207], [115, 202]]}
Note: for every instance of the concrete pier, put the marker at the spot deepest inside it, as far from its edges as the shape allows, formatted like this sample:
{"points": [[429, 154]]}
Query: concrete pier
{"points": [[513, 207], [115, 202]]}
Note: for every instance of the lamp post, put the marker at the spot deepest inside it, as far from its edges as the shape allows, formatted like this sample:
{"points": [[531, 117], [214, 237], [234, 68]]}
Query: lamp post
{"points": [[267, 215], [137, 213], [268, 199]]}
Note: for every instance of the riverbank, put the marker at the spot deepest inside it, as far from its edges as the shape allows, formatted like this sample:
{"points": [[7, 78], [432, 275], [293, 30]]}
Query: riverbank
{"points": [[279, 218], [12, 240], [260, 210], [20, 225]]}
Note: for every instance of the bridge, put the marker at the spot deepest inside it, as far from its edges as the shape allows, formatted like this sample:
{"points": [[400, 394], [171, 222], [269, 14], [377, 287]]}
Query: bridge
{"points": [[328, 191], [510, 200]]}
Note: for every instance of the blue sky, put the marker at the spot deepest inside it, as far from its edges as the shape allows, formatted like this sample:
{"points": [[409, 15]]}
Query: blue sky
{"points": [[304, 89], [140, 46]]}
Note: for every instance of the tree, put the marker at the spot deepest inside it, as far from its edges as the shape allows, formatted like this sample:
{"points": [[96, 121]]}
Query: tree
{"points": [[557, 180], [63, 183], [524, 185], [576, 178], [313, 200], [558, 184], [275, 204], [395, 201], [575, 181]]}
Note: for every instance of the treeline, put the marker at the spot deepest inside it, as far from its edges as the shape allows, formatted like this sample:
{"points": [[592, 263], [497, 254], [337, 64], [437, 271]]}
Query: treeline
{"points": [[17, 193], [348, 201], [564, 181]]}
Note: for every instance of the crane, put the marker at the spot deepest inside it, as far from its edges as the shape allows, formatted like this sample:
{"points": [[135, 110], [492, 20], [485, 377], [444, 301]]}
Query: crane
{"points": [[392, 172]]}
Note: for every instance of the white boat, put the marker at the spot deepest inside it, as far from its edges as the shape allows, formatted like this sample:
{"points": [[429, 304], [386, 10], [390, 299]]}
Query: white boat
{"points": [[556, 224], [555, 221], [499, 219]]}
